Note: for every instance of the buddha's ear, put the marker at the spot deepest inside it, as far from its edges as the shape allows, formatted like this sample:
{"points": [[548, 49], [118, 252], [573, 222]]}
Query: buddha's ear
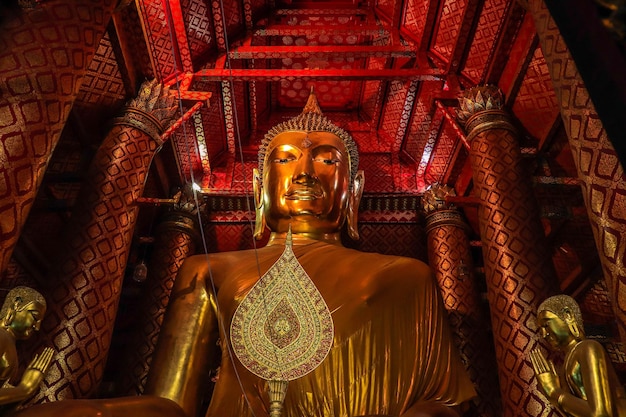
{"points": [[10, 315], [257, 189], [572, 325], [353, 204]]}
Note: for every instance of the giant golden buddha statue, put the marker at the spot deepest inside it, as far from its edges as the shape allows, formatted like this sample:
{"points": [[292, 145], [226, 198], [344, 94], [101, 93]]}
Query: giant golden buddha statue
{"points": [[391, 352]]}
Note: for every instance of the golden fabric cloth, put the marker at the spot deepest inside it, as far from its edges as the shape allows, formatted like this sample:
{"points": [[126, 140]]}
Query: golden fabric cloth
{"points": [[392, 346]]}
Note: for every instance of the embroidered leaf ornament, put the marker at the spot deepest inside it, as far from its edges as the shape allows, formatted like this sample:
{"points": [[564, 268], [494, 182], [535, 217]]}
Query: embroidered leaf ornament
{"points": [[282, 330]]}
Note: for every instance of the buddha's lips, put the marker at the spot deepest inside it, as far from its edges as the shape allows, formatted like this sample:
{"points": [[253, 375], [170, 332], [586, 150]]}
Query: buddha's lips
{"points": [[303, 194]]}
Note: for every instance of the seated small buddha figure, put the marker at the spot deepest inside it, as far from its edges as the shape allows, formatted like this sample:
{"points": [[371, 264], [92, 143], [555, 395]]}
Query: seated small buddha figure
{"points": [[391, 354], [20, 316], [591, 387]]}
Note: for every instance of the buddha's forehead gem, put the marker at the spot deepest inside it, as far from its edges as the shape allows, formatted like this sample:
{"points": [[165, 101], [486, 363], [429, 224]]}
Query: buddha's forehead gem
{"points": [[306, 142]]}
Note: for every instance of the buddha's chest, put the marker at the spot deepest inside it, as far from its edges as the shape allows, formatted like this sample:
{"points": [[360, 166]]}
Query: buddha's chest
{"points": [[574, 378], [7, 368]]}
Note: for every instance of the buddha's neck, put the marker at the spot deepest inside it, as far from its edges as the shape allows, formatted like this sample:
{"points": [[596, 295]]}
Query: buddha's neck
{"points": [[277, 238]]}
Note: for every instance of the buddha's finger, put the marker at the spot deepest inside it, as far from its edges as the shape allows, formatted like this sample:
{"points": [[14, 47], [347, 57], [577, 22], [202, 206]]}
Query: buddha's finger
{"points": [[535, 362]]}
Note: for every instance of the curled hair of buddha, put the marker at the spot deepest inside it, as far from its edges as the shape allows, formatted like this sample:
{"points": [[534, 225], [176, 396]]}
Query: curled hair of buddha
{"points": [[312, 120], [23, 295], [561, 304]]}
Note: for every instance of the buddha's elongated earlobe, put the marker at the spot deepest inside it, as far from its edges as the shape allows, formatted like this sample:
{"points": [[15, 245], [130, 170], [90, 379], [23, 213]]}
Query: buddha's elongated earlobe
{"points": [[10, 315], [259, 221], [572, 325], [353, 205]]}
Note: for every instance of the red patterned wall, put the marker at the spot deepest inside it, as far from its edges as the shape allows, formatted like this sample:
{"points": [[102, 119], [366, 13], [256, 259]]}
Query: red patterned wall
{"points": [[489, 24], [414, 18], [199, 28], [448, 28], [442, 153], [535, 105], [160, 43]]}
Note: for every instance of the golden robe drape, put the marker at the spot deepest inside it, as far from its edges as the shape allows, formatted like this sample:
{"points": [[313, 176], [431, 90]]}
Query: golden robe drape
{"points": [[392, 346]]}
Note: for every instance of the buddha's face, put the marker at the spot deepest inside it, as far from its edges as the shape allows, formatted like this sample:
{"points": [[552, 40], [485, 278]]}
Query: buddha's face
{"points": [[27, 319], [306, 182], [553, 329]]}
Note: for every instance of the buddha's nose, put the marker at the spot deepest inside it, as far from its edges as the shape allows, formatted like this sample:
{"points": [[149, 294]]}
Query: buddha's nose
{"points": [[304, 174]]}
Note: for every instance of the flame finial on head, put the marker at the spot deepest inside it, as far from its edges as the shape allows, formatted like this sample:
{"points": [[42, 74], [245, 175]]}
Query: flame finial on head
{"points": [[312, 105]]}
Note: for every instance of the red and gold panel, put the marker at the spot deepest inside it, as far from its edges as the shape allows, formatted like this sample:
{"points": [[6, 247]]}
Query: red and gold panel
{"points": [[379, 177], [394, 109], [154, 18], [102, 84], [536, 105], [131, 34], [386, 7], [484, 41], [421, 119], [522, 45], [334, 94], [186, 148], [401, 239], [442, 153], [232, 13], [415, 18], [231, 236], [371, 99], [199, 28], [242, 176], [178, 33], [447, 30]]}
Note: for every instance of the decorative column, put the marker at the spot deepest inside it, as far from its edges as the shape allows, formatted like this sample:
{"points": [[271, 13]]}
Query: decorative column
{"points": [[175, 239], [450, 259], [87, 281], [44, 55], [599, 169], [518, 266]]}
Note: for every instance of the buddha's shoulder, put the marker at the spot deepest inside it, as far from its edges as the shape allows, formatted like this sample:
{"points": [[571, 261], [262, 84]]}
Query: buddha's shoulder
{"points": [[382, 260], [372, 264], [217, 259]]}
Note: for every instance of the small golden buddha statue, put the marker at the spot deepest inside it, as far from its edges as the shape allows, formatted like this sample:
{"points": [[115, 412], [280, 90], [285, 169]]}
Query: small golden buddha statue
{"points": [[21, 316], [591, 385], [391, 352]]}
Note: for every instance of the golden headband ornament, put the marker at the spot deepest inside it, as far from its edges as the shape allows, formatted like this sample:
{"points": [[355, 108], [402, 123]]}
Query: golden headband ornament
{"points": [[312, 120]]}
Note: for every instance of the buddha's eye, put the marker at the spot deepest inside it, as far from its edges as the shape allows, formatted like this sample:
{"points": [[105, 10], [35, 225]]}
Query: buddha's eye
{"points": [[327, 161], [283, 160]]}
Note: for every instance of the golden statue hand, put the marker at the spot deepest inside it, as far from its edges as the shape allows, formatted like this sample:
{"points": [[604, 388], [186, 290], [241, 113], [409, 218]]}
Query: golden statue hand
{"points": [[547, 378], [32, 377], [36, 370]]}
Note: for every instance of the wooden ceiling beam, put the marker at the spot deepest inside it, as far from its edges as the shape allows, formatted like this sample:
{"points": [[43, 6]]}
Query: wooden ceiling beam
{"points": [[315, 8], [354, 74], [289, 30], [466, 30], [357, 51]]}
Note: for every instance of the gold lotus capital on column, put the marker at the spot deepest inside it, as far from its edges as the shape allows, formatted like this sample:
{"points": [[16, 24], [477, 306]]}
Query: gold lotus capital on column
{"points": [[481, 108], [438, 211], [152, 111], [434, 198]]}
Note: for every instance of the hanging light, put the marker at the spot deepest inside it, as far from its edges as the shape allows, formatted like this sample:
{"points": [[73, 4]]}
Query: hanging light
{"points": [[140, 272]]}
